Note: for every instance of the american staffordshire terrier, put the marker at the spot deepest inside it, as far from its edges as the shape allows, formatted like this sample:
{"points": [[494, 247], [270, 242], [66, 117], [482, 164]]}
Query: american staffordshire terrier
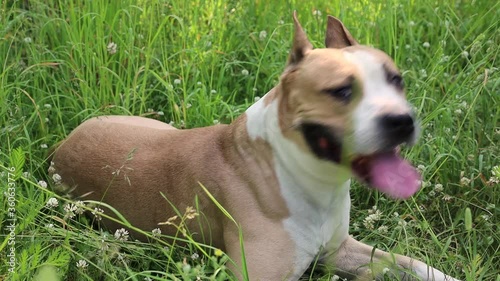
{"points": [[282, 169]]}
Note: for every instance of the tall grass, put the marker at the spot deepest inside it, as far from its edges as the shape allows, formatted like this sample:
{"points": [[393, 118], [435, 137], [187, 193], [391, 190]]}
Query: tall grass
{"points": [[196, 63]]}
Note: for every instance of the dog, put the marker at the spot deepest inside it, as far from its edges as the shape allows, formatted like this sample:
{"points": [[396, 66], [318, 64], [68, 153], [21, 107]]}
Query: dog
{"points": [[281, 170]]}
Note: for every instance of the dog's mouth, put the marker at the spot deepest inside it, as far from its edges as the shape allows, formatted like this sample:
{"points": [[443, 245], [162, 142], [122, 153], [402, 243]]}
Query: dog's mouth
{"points": [[385, 171]]}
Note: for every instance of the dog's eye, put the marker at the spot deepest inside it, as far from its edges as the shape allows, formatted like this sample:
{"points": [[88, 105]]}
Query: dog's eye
{"points": [[343, 94], [396, 80]]}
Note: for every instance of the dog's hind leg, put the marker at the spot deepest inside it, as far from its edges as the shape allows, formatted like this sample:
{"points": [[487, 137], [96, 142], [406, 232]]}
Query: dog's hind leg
{"points": [[361, 262]]}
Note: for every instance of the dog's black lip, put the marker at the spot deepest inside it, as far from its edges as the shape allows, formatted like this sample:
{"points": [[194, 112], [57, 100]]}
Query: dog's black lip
{"points": [[322, 141]]}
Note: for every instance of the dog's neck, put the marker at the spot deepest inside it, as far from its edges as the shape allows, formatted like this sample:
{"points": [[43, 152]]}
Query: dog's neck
{"points": [[316, 179]]}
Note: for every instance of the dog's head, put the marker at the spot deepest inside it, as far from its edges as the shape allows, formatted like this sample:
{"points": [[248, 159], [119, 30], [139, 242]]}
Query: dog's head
{"points": [[346, 104]]}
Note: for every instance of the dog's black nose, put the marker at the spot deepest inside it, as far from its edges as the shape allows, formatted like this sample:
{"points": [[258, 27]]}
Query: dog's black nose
{"points": [[397, 128]]}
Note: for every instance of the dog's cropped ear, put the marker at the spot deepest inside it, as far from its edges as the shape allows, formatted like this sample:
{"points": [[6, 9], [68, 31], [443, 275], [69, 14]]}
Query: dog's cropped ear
{"points": [[337, 36], [301, 44]]}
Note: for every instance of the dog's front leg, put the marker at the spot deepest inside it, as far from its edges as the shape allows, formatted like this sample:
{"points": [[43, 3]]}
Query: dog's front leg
{"points": [[361, 262]]}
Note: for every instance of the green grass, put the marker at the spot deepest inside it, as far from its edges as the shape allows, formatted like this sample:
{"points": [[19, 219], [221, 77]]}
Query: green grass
{"points": [[195, 63]]}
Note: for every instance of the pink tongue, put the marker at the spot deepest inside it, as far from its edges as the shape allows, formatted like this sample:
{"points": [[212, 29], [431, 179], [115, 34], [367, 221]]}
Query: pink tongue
{"points": [[394, 176]]}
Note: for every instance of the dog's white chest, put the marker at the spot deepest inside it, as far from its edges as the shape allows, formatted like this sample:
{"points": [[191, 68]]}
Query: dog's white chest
{"points": [[314, 226], [319, 207], [316, 192]]}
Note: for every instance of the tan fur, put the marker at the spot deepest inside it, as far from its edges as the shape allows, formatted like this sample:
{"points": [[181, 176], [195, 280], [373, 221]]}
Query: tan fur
{"points": [[140, 149]]}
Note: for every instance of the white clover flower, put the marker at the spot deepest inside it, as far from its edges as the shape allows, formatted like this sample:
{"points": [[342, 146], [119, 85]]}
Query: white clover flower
{"points": [[244, 72], [216, 122], [385, 270], [493, 180], [156, 232], [188, 105], [335, 278], [426, 45], [160, 113], [383, 229], [121, 234], [51, 167], [421, 168], [97, 212], [280, 22], [43, 146], [49, 225], [47, 105], [447, 197], [198, 83], [195, 256], [27, 40], [79, 207], [256, 99], [485, 217], [465, 54], [82, 264], [355, 226], [26, 174], [445, 59], [213, 92], [52, 203], [104, 246], [423, 73], [56, 178], [438, 187], [465, 181], [112, 47], [458, 111], [370, 220], [373, 209], [262, 35], [317, 13], [411, 23], [177, 81], [70, 210], [42, 184]]}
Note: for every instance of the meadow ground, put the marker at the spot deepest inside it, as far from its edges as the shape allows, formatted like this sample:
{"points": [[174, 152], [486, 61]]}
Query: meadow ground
{"points": [[196, 63]]}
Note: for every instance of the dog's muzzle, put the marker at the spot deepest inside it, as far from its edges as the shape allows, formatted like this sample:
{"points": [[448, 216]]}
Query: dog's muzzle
{"points": [[397, 129], [384, 170]]}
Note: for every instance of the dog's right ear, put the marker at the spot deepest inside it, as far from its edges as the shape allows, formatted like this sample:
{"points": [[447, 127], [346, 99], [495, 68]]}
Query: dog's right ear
{"points": [[337, 36], [301, 44]]}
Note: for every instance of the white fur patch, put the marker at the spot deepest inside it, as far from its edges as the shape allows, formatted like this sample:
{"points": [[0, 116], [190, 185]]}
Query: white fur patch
{"points": [[256, 119], [316, 191], [429, 273], [379, 97]]}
